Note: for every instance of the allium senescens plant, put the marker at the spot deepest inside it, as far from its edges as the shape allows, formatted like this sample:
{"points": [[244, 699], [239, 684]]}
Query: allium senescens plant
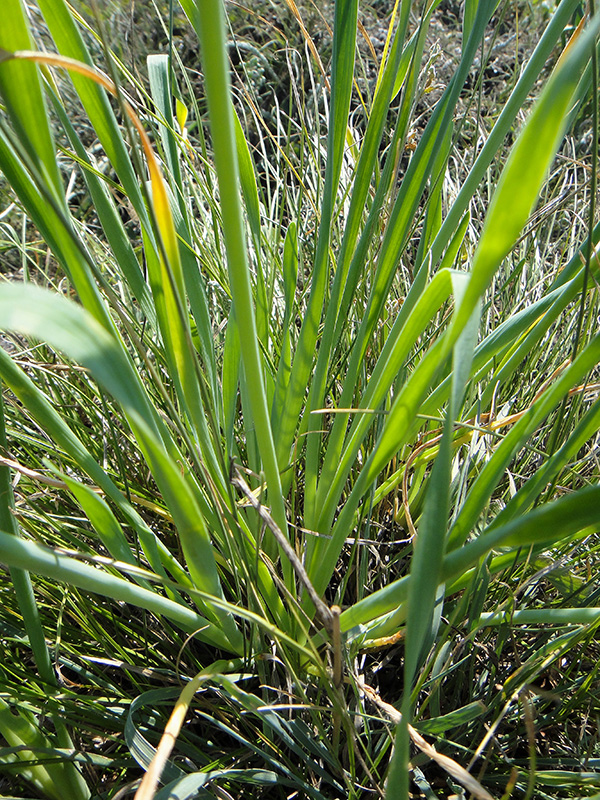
{"points": [[260, 367]]}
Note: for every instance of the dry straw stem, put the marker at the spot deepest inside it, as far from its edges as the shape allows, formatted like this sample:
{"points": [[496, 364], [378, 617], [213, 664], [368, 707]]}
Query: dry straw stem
{"points": [[53, 59], [147, 787], [56, 483], [310, 43], [448, 764], [483, 424], [160, 199], [326, 614]]}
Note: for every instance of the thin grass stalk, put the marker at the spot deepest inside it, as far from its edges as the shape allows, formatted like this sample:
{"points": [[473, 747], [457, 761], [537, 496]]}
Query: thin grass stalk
{"points": [[210, 27], [86, 341], [67, 774], [344, 43], [426, 589], [60, 19], [20, 578], [394, 595], [523, 174], [395, 238], [561, 423], [559, 19], [65, 569], [350, 254], [516, 438]]}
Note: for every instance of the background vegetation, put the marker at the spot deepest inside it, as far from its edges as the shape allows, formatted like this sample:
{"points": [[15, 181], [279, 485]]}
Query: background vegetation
{"points": [[300, 410]]}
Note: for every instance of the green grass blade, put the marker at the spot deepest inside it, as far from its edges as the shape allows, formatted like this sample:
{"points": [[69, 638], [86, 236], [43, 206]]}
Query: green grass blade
{"points": [[290, 278], [426, 591], [426, 162], [160, 89], [516, 438], [102, 519], [210, 27], [416, 313], [530, 157], [569, 516], [249, 189], [72, 330], [540, 616], [69, 42], [230, 380], [248, 183], [559, 19], [21, 90], [395, 594], [42, 561], [48, 418], [110, 220], [498, 358], [351, 257], [50, 218], [469, 14], [525, 171], [167, 282], [21, 579], [66, 775], [50, 779], [344, 43], [586, 428]]}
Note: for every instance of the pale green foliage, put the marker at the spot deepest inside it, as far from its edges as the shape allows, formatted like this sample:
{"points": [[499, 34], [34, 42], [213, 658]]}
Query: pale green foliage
{"points": [[313, 325]]}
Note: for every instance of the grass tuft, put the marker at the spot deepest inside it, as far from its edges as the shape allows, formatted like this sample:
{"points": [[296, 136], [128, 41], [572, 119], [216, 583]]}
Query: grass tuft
{"points": [[298, 478]]}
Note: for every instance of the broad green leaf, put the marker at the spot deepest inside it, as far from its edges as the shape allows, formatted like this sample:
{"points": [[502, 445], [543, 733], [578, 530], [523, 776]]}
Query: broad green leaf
{"points": [[103, 520], [36, 312], [51, 779], [525, 170], [69, 42], [21, 91], [554, 30], [43, 561], [569, 516], [209, 22]]}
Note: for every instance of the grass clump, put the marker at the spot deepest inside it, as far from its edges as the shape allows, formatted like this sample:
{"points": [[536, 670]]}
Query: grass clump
{"points": [[300, 407]]}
